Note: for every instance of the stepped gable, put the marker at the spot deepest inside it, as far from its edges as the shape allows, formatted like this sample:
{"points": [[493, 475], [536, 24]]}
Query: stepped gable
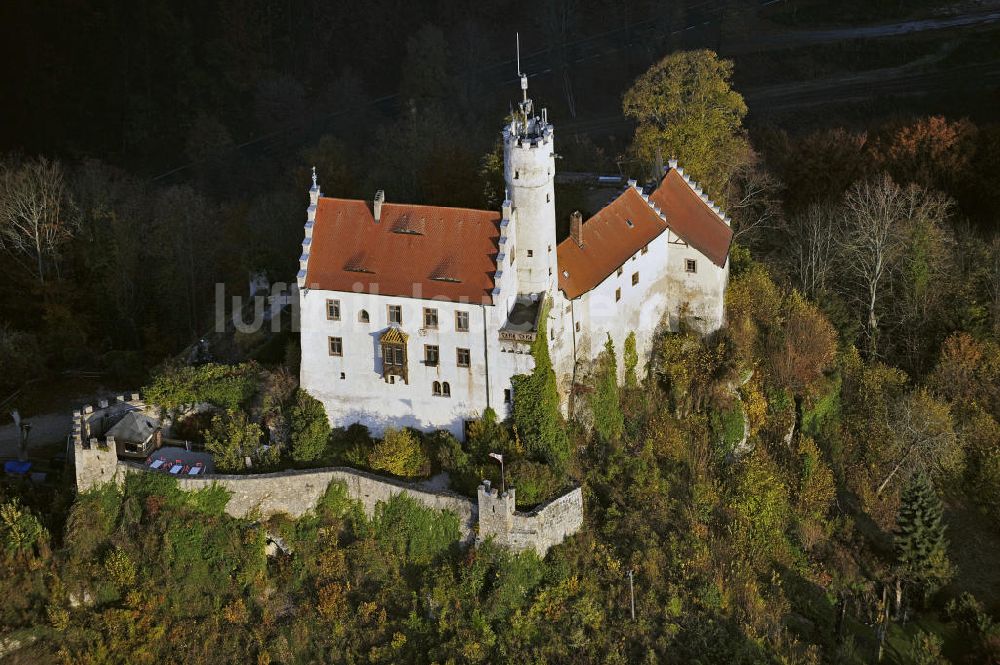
{"points": [[412, 251], [615, 233], [692, 217]]}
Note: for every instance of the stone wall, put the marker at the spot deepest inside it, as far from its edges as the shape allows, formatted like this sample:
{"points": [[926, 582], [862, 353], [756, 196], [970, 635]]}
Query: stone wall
{"points": [[545, 526]]}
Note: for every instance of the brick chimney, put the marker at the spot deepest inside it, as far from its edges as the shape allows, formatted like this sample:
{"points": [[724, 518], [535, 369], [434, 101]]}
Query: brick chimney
{"points": [[379, 200], [576, 228]]}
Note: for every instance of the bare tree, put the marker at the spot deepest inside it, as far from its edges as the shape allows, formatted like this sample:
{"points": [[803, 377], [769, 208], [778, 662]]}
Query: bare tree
{"points": [[35, 218], [811, 247], [871, 243], [752, 199]]}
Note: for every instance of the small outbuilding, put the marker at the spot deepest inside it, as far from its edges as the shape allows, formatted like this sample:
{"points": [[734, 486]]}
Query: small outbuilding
{"points": [[136, 435]]}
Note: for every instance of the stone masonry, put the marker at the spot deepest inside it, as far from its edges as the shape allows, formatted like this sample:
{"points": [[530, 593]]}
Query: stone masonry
{"points": [[297, 492]]}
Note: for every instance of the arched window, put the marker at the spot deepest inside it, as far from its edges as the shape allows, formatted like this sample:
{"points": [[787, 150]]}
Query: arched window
{"points": [[363, 316], [437, 388], [446, 389]]}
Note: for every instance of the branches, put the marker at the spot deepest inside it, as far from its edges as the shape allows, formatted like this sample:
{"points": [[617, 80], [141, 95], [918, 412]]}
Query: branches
{"points": [[35, 215]]}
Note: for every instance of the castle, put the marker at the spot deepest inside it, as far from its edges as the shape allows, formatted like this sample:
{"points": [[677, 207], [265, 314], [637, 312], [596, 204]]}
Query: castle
{"points": [[419, 316]]}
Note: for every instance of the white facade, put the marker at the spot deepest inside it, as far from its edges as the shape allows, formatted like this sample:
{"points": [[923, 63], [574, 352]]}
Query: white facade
{"points": [[347, 375]]}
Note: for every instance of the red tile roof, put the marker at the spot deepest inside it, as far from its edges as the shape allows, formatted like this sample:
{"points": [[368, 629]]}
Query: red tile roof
{"points": [[692, 219], [414, 251], [608, 241]]}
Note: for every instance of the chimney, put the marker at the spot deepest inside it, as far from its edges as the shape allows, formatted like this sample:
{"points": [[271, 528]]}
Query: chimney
{"points": [[379, 200], [576, 228]]}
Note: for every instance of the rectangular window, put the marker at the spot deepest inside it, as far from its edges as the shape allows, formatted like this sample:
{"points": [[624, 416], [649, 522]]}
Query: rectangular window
{"points": [[463, 357], [431, 354], [690, 265], [618, 295], [513, 255], [333, 310], [635, 278], [462, 321], [578, 326], [530, 253], [506, 395], [336, 346], [619, 271], [645, 249], [395, 314], [430, 317]]}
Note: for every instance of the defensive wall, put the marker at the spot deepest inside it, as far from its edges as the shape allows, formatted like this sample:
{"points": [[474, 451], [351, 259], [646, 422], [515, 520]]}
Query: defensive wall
{"points": [[296, 492]]}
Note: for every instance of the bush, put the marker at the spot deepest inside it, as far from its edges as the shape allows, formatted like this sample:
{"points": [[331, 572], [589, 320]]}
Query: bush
{"points": [[535, 482], [226, 386], [232, 438], [400, 453], [728, 426], [310, 427], [351, 446]]}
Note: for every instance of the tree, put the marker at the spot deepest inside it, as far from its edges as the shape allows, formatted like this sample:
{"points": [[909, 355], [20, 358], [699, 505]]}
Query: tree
{"points": [[20, 357], [35, 214], [810, 246], [537, 418], [921, 547], [605, 402], [925, 437], [232, 438], [400, 453], [631, 359], [310, 428], [873, 243], [687, 109], [808, 347]]}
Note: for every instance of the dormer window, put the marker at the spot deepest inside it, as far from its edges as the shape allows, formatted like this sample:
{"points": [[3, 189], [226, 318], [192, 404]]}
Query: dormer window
{"points": [[629, 223]]}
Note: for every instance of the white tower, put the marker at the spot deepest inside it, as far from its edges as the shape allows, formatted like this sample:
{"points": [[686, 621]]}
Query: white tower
{"points": [[529, 169]]}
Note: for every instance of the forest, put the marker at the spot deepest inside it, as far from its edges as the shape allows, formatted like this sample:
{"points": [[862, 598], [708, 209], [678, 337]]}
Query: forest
{"points": [[817, 482]]}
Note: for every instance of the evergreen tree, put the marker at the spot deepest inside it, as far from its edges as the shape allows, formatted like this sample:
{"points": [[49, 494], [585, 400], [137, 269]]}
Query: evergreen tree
{"points": [[631, 359], [536, 404], [310, 428], [605, 403], [921, 546]]}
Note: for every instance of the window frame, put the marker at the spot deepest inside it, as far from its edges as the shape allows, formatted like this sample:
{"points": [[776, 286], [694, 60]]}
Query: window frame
{"points": [[364, 316], [635, 278], [334, 305], [388, 313], [458, 357], [618, 294], [431, 313], [458, 326], [436, 354], [332, 342], [691, 266]]}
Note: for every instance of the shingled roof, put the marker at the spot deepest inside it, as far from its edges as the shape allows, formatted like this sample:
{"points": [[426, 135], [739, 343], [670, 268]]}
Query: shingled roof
{"points": [[412, 251]]}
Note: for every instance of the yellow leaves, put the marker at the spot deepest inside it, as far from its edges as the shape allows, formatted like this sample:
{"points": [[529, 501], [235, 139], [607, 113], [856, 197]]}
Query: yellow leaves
{"points": [[236, 613], [754, 405]]}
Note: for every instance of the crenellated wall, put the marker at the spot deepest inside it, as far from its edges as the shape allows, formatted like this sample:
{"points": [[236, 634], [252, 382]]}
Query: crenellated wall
{"points": [[297, 492]]}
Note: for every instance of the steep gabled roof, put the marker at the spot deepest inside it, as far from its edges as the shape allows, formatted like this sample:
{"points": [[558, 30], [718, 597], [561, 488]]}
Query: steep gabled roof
{"points": [[413, 251], [615, 233], [690, 217]]}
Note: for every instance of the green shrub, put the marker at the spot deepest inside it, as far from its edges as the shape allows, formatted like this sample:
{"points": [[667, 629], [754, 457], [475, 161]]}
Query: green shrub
{"points": [[728, 426], [605, 402], [411, 531], [226, 386], [232, 438], [400, 453], [535, 482], [310, 428], [351, 446], [536, 404]]}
